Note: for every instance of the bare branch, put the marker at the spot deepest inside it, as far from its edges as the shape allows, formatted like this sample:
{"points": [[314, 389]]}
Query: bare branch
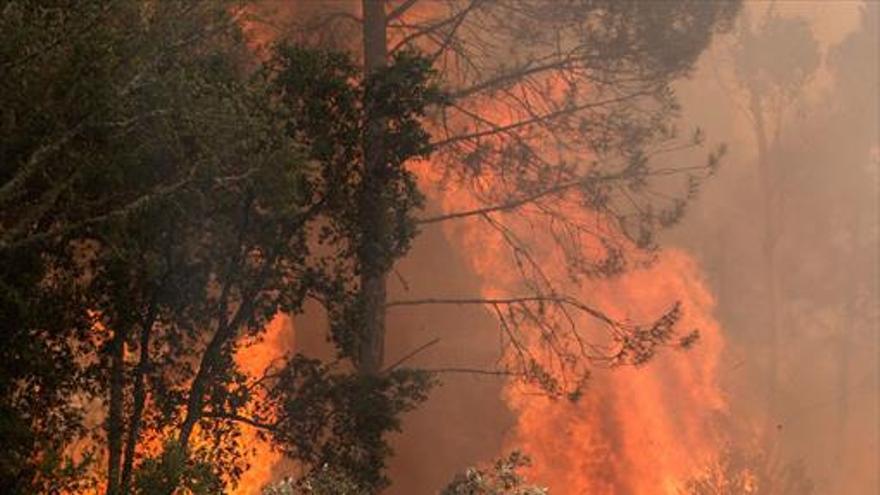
{"points": [[535, 119], [429, 29], [475, 371], [240, 419], [410, 355], [400, 10], [529, 199], [506, 206], [555, 299]]}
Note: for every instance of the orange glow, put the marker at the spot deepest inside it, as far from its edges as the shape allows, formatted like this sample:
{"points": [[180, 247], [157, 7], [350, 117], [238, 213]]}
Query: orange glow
{"points": [[638, 431], [635, 430], [253, 360]]}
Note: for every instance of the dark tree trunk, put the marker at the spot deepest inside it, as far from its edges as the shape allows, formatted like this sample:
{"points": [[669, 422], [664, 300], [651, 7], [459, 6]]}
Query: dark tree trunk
{"points": [[204, 376], [115, 424], [140, 397], [373, 262]]}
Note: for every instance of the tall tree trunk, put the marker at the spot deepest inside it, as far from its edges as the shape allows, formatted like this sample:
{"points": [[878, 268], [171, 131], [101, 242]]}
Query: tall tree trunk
{"points": [[115, 424], [770, 234], [372, 252], [202, 381], [140, 396]]}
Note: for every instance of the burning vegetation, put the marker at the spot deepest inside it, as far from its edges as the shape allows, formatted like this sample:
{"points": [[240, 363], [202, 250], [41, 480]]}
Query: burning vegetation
{"points": [[357, 247]]}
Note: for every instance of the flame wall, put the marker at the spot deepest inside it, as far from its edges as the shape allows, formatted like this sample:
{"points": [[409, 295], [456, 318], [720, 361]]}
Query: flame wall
{"points": [[635, 430]]}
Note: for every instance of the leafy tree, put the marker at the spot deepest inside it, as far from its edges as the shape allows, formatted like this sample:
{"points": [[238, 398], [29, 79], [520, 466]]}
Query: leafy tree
{"points": [[774, 59], [181, 231], [174, 470], [161, 194], [324, 481], [550, 117], [594, 78], [151, 204], [503, 479], [323, 413]]}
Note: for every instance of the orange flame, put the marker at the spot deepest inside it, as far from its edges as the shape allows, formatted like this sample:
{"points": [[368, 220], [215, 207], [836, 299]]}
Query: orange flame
{"points": [[635, 431], [254, 360]]}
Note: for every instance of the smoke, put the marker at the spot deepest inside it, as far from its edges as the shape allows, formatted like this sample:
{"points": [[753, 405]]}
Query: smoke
{"points": [[826, 243]]}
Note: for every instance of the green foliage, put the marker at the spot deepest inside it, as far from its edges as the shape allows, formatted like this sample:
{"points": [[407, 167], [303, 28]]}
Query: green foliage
{"points": [[503, 479], [147, 186], [322, 481], [174, 471], [328, 417], [160, 197], [331, 106]]}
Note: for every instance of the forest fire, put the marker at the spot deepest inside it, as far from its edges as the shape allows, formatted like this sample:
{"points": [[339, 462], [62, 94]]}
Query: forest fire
{"points": [[470, 247], [254, 360], [639, 430]]}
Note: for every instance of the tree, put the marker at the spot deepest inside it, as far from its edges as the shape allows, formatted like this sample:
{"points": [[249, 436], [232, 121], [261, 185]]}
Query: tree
{"points": [[181, 232], [852, 119], [552, 115], [771, 90], [152, 205], [602, 94], [823, 193], [503, 479], [169, 194], [323, 413]]}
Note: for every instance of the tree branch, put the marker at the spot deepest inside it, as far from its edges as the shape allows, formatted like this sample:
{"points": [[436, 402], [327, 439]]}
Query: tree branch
{"points": [[456, 20], [400, 10], [240, 419], [497, 129], [508, 205], [35, 159], [410, 355], [553, 299], [474, 371]]}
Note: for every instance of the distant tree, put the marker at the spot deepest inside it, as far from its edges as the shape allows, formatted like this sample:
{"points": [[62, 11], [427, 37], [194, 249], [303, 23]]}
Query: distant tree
{"points": [[828, 173], [775, 57], [856, 70], [823, 193]]}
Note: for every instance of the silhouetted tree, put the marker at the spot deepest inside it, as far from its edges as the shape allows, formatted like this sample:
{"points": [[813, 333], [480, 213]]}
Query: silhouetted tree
{"points": [[774, 59], [150, 204], [553, 111], [550, 115]]}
